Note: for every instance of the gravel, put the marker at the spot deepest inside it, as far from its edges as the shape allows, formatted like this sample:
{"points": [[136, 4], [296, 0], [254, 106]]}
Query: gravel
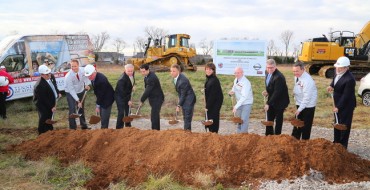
{"points": [[359, 144]]}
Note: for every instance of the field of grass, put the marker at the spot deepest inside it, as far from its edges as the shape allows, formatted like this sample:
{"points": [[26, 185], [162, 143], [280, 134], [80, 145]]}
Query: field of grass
{"points": [[18, 173]]}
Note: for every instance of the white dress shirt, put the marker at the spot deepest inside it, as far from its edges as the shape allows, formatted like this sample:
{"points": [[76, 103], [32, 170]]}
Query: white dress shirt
{"points": [[305, 92], [243, 92], [74, 86]]}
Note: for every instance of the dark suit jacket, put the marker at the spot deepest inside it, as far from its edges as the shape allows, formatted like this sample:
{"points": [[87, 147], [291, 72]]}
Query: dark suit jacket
{"points": [[153, 90], [278, 91], [123, 89], [103, 91], [185, 91], [213, 93], [43, 95], [344, 92]]}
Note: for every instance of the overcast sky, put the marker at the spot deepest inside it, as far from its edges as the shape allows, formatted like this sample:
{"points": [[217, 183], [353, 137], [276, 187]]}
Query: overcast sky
{"points": [[212, 20]]}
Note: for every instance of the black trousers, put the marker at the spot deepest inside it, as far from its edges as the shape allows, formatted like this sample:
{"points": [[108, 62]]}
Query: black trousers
{"points": [[44, 114], [345, 116], [72, 105], [123, 111], [155, 114], [276, 115], [304, 132], [2, 104], [215, 116]]}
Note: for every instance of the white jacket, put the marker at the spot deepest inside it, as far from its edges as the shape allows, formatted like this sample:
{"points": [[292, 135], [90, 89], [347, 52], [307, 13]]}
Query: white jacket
{"points": [[305, 92], [243, 92], [74, 86]]}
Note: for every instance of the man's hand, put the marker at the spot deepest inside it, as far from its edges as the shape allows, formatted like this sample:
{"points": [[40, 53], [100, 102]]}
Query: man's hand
{"points": [[264, 93], [97, 110], [177, 108], [234, 110], [330, 89], [87, 87], [297, 113], [231, 93], [335, 110], [129, 103], [79, 104], [54, 109]]}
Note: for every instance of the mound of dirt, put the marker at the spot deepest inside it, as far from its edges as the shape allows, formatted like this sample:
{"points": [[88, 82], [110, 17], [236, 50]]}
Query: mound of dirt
{"points": [[131, 154]]}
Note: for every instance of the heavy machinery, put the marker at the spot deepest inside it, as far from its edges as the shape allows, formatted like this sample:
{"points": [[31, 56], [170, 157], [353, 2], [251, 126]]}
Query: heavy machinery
{"points": [[171, 49], [321, 53]]}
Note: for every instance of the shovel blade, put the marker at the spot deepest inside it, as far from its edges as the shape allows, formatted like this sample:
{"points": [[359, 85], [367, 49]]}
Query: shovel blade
{"points": [[74, 115], [127, 119], [50, 122], [297, 123], [173, 122], [207, 122], [134, 116], [267, 123], [237, 120], [340, 127], [94, 119]]}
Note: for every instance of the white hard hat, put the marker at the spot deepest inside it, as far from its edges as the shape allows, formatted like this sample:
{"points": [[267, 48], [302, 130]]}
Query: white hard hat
{"points": [[342, 62], [43, 69], [89, 70], [4, 81]]}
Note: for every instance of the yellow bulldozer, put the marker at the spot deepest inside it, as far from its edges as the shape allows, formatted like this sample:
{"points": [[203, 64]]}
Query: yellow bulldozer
{"points": [[170, 49], [321, 53]]}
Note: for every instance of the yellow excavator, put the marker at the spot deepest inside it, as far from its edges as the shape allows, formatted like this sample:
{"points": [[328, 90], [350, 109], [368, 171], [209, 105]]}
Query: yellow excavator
{"points": [[321, 53], [170, 49]]}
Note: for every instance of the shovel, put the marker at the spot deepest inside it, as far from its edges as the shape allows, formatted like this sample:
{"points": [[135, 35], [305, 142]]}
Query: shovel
{"points": [[266, 122], [174, 121], [206, 122], [52, 121], [77, 115], [235, 119], [127, 118], [136, 115], [337, 125], [94, 119], [297, 122]]}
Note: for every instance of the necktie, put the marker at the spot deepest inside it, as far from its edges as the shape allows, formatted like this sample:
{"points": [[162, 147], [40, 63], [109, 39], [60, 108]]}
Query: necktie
{"points": [[174, 82], [78, 78], [53, 88], [296, 80], [132, 80], [268, 79]]}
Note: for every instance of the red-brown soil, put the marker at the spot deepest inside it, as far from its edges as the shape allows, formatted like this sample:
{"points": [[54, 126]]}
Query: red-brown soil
{"points": [[131, 154]]}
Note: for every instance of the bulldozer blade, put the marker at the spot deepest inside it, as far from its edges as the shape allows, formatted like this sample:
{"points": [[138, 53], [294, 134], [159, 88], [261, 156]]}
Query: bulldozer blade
{"points": [[127, 119], [340, 127], [173, 122], [94, 119], [267, 123], [237, 120], [75, 115], [296, 122], [207, 122], [50, 122]]}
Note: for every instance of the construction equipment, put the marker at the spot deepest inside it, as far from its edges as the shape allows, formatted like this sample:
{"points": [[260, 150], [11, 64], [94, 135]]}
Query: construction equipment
{"points": [[321, 53], [171, 49], [336, 125], [77, 115]]}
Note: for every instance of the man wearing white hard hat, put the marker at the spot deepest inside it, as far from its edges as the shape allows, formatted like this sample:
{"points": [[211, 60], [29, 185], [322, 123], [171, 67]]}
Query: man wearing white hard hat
{"points": [[104, 93], [44, 96], [343, 89], [5, 80]]}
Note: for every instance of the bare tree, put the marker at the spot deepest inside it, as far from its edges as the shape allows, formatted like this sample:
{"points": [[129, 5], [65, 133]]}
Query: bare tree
{"points": [[154, 32], [119, 44], [207, 46], [286, 37], [140, 44], [270, 47], [99, 40]]}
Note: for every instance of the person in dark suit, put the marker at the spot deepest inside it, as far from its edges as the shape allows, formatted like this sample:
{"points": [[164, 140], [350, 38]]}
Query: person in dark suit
{"points": [[277, 97], [214, 97], [153, 92], [124, 89], [343, 89], [104, 93], [44, 97], [186, 94]]}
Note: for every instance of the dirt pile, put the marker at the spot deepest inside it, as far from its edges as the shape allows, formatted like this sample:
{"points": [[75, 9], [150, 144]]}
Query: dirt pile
{"points": [[131, 154]]}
